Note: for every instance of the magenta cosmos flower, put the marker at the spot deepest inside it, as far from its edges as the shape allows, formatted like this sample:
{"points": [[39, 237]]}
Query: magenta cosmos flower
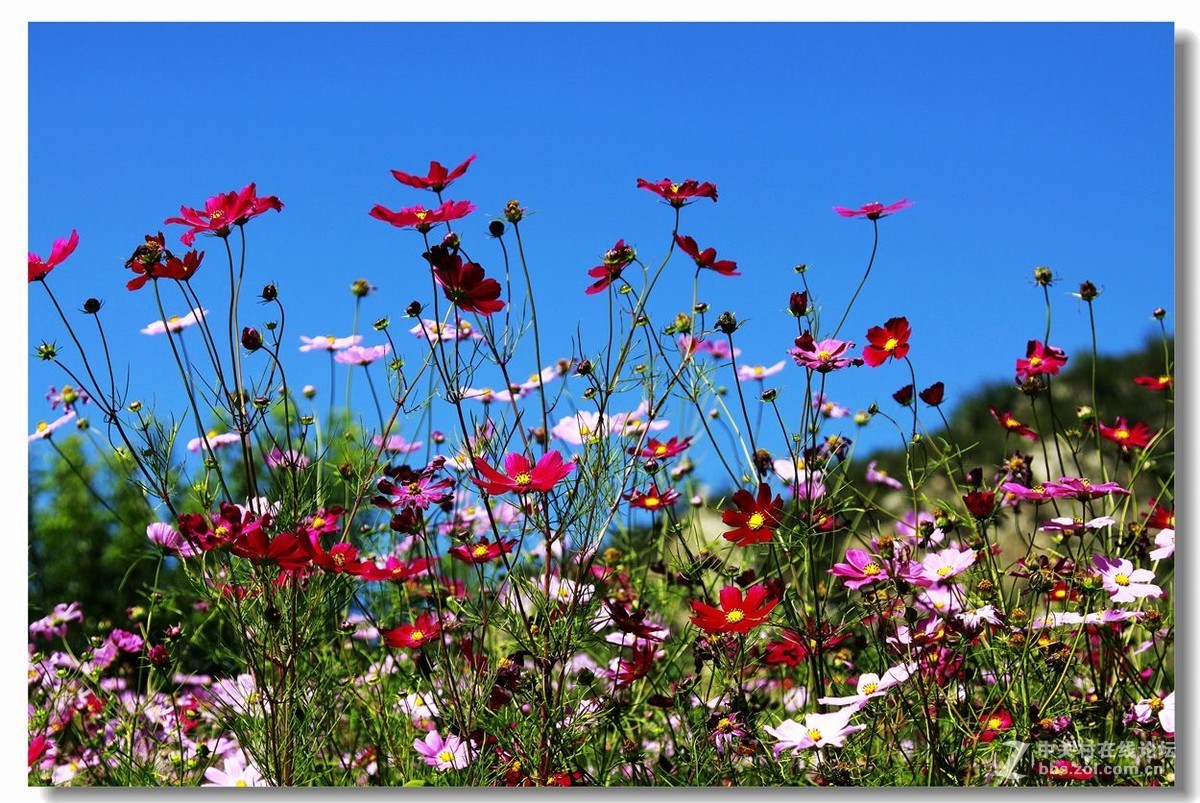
{"points": [[329, 342], [40, 268], [822, 356], [1083, 490], [874, 210], [679, 194], [420, 218], [1123, 582], [362, 355], [522, 476], [450, 753], [438, 178], [222, 212], [879, 477], [860, 569]]}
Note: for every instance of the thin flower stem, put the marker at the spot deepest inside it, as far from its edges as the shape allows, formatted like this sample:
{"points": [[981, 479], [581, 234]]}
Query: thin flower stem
{"points": [[863, 281]]}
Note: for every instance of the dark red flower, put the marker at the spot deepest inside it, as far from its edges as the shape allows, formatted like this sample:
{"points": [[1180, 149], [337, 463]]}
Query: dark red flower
{"points": [[1161, 382], [438, 177], [933, 394], [342, 558], [706, 258], [652, 498], [285, 550], [418, 634], [483, 551], [627, 670], [40, 268], [981, 504], [736, 614], [632, 622], [616, 259], [755, 519], [420, 218], [395, 570], [904, 395], [223, 212], [464, 283], [1161, 517], [875, 210], [522, 477], [657, 450], [798, 304], [1009, 422], [1136, 436], [678, 195], [889, 340], [1040, 359], [993, 724]]}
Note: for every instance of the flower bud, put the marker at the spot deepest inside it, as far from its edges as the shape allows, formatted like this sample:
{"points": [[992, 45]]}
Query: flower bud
{"points": [[269, 293], [583, 368], [1159, 313], [513, 211], [361, 288], [413, 309], [158, 655], [700, 308], [92, 306], [47, 351], [437, 436], [251, 339], [1043, 276], [798, 304], [769, 395], [1088, 291], [496, 228], [381, 324], [451, 240], [727, 323], [261, 402], [862, 417]]}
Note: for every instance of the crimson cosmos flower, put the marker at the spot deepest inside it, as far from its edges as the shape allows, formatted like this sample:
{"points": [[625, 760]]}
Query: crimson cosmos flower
{"points": [[1040, 359], [616, 259], [418, 634], [40, 268], [396, 570], [755, 519], [1009, 422], [342, 558], [657, 450], [992, 724], [981, 504], [464, 283], [522, 477], [1161, 382], [483, 551], [933, 394], [173, 268], [706, 258], [889, 340], [904, 395], [222, 212], [1137, 436], [679, 195], [652, 498], [438, 177], [1160, 518], [875, 210], [285, 550], [420, 218], [736, 614]]}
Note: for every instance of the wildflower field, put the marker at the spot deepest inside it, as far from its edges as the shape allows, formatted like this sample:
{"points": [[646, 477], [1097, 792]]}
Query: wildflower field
{"points": [[527, 559]]}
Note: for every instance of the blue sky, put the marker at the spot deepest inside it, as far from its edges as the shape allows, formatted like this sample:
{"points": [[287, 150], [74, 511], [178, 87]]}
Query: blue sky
{"points": [[1021, 145]]}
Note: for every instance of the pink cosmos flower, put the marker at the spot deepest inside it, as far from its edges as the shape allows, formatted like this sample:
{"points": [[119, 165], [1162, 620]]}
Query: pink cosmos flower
{"points": [[1145, 711], [1083, 490], [40, 268], [1070, 526], [860, 569], [362, 355], [877, 477], [222, 212], [290, 459], [874, 210], [636, 422], [829, 409], [1165, 541], [582, 427], [174, 323], [329, 342], [940, 600], [236, 770], [44, 430], [215, 441], [68, 397], [1038, 493], [747, 373], [450, 753], [55, 624], [870, 686], [397, 444], [823, 356], [818, 730], [1123, 582], [169, 538], [436, 331], [975, 618], [941, 566], [912, 528], [713, 347]]}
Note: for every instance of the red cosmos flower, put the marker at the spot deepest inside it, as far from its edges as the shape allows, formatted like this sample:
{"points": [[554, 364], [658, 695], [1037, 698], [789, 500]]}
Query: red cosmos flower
{"points": [[627, 670], [1160, 518], [418, 634], [933, 394], [875, 210], [889, 340], [755, 519], [483, 550], [993, 724], [396, 570], [616, 259], [223, 212], [904, 395], [285, 550], [706, 258], [522, 477], [736, 614], [1040, 359], [464, 283], [40, 268], [1137, 436], [173, 268], [632, 622], [342, 558], [228, 526], [420, 218], [981, 504], [679, 195], [438, 177], [1161, 382], [652, 498], [657, 450], [1009, 422]]}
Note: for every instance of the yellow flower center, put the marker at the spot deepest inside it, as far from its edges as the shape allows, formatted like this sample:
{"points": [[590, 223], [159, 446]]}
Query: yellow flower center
{"points": [[660, 450], [651, 501], [870, 688], [318, 522], [824, 355], [1164, 379], [814, 734], [1121, 579], [756, 521], [173, 319], [330, 339], [1121, 434], [872, 569], [1034, 362], [479, 551], [217, 214], [995, 722], [222, 531], [1155, 703], [417, 635], [240, 782], [339, 559], [674, 188], [445, 756], [943, 571], [421, 214], [735, 616], [759, 370], [891, 344], [42, 426], [524, 478]]}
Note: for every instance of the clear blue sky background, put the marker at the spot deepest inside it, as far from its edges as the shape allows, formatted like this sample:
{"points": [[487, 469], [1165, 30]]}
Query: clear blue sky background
{"points": [[1021, 145]]}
